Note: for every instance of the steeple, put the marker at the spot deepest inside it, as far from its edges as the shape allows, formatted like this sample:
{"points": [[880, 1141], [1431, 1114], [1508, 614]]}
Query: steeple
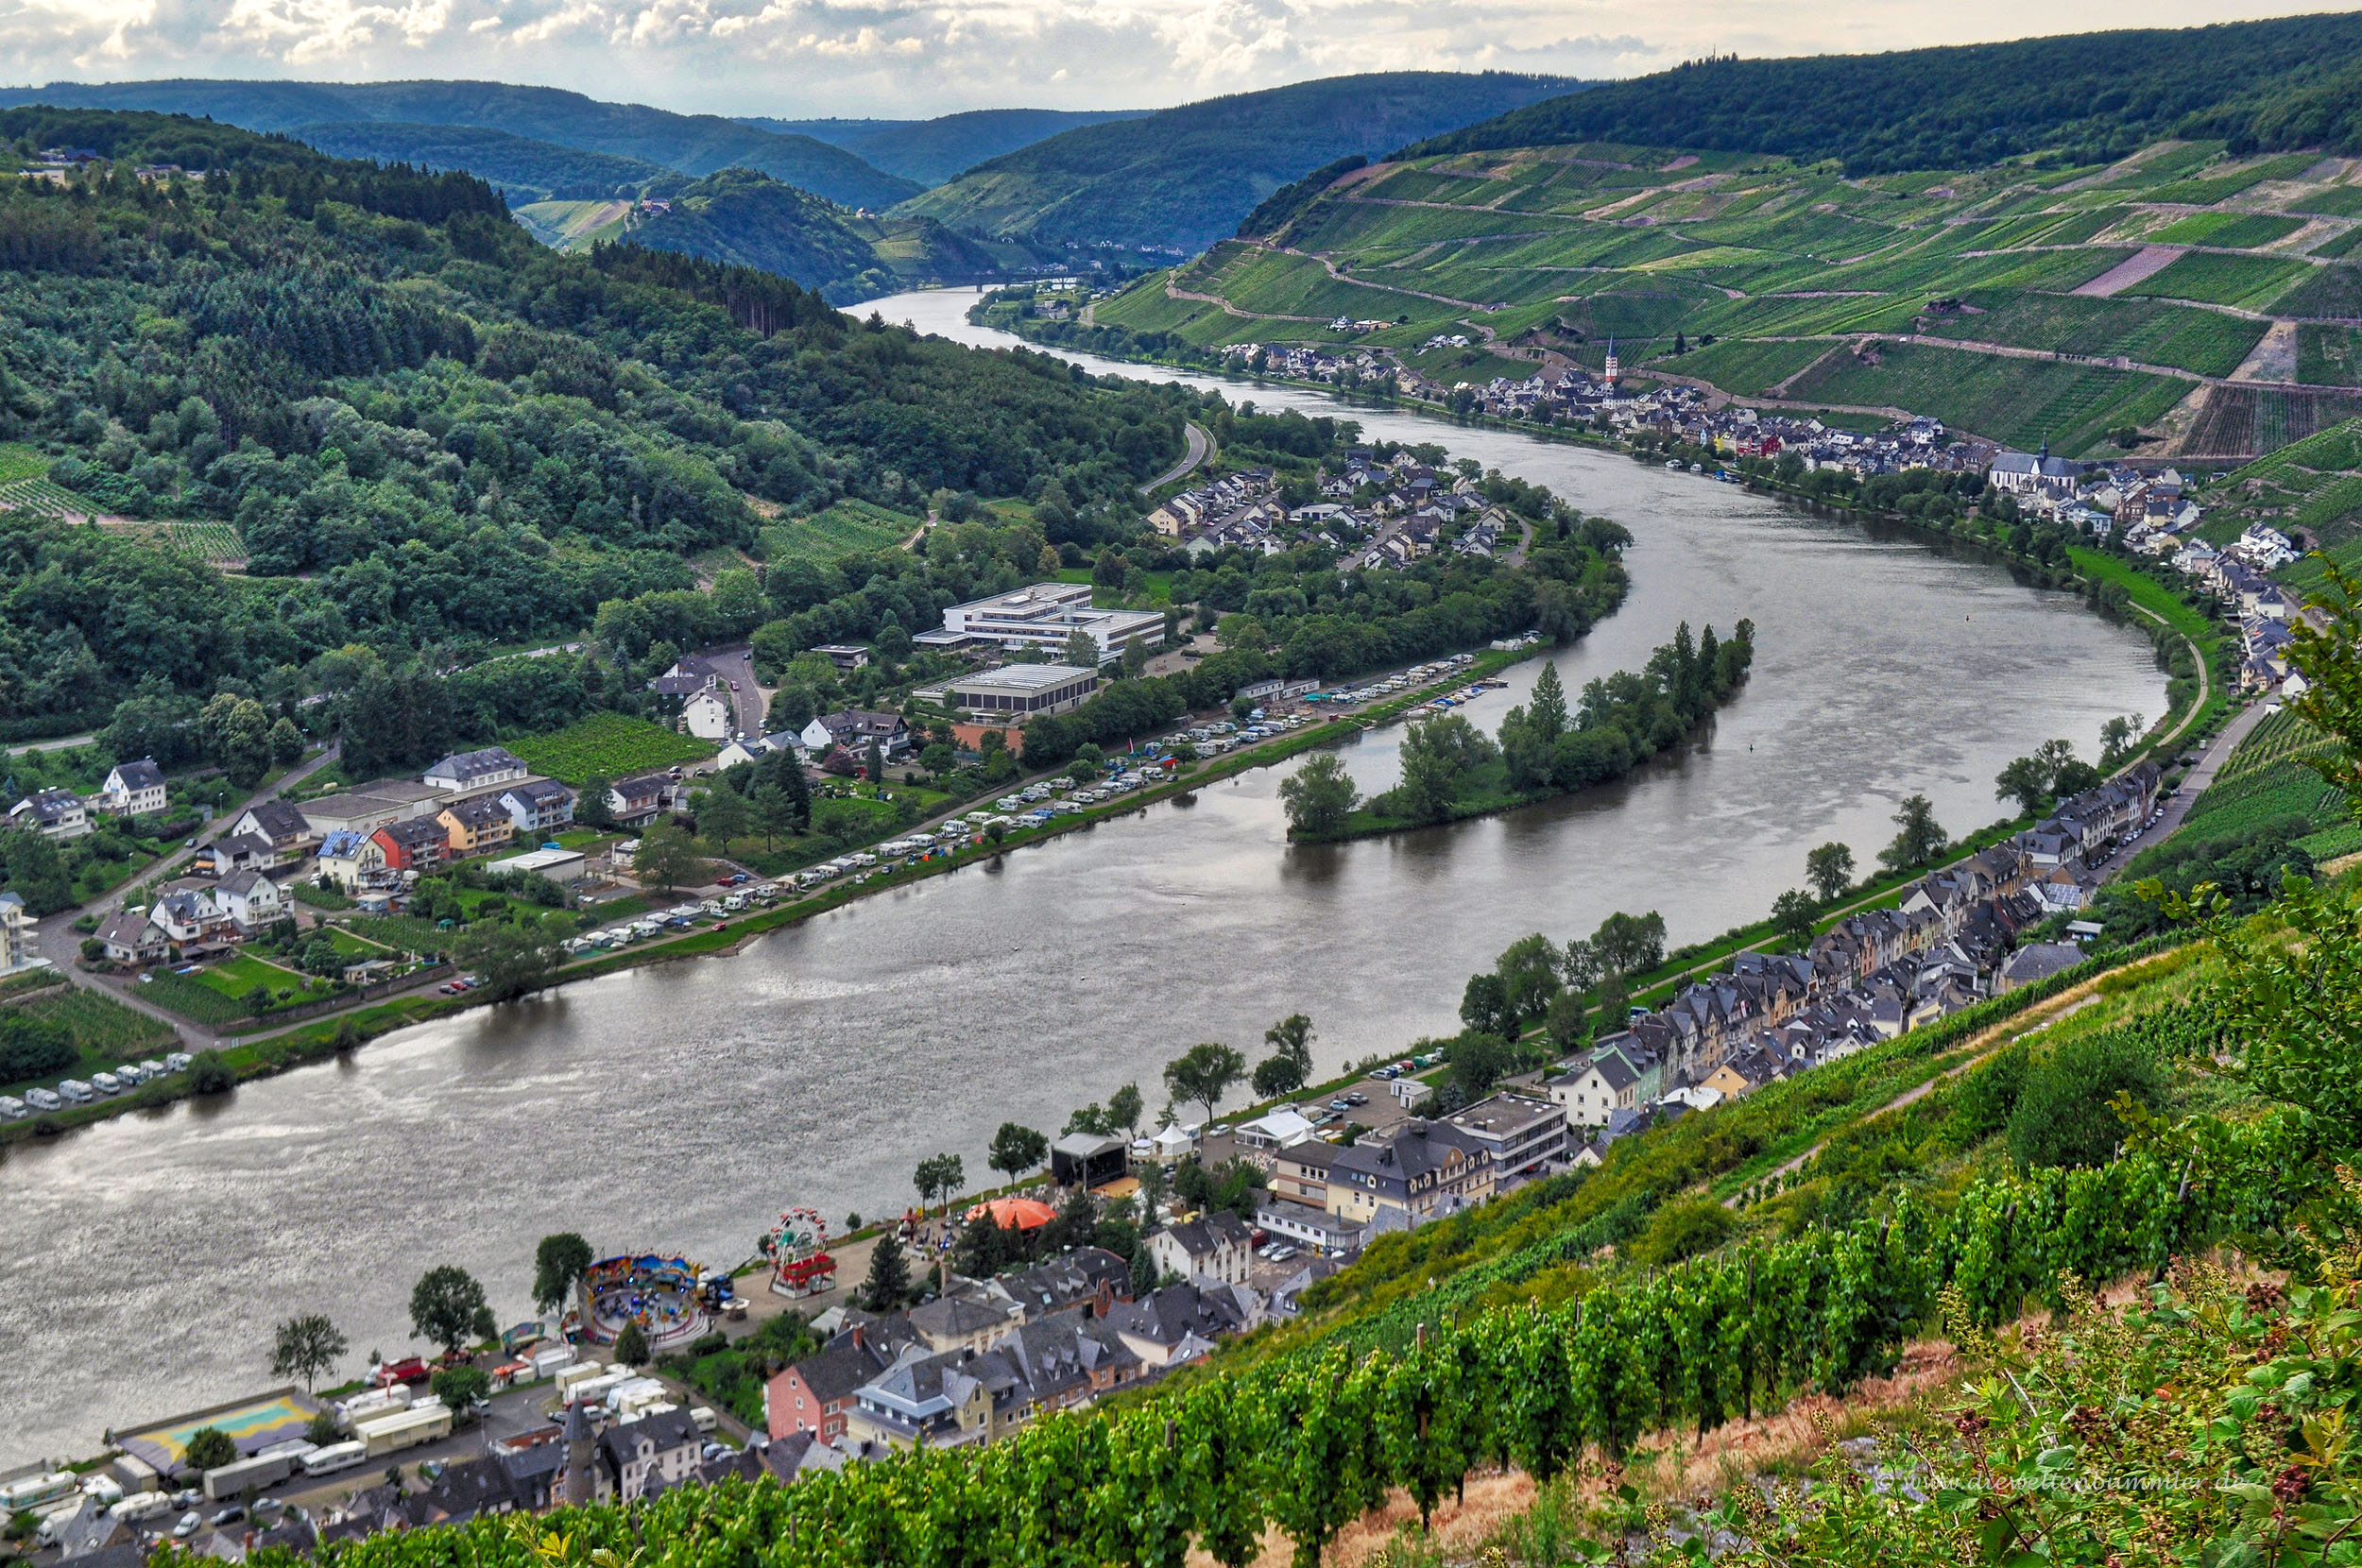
{"points": [[579, 1440], [1609, 374]]}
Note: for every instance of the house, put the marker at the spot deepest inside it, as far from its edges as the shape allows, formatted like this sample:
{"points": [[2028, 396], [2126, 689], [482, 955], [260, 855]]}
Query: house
{"points": [[238, 852], [476, 770], [539, 805], [1424, 1171], [855, 729], [352, 861], [2035, 474], [134, 789], [52, 813], [1592, 1093], [708, 715], [1215, 1246], [476, 826], [845, 655], [662, 1445], [813, 1395], [1044, 616], [1300, 1174], [958, 1322], [250, 900], [16, 934], [924, 1400], [415, 843], [1086, 1283], [1312, 1228], [191, 916], [638, 799], [277, 824], [2036, 960], [1182, 1322]]}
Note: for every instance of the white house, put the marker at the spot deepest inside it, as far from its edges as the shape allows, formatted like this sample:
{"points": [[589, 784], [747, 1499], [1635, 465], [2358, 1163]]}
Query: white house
{"points": [[816, 739], [1602, 1086], [477, 770], [250, 900], [1216, 1245], [134, 789], [53, 813], [708, 716]]}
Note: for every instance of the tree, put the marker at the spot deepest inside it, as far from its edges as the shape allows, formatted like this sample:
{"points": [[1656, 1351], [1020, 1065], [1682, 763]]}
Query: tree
{"points": [[938, 758], [1276, 1076], [1319, 796], [775, 813], [1545, 710], [631, 1347], [940, 1176], [723, 814], [445, 1306], [512, 959], [887, 1286], [591, 807], [1017, 1150], [2116, 737], [2065, 1112], [1204, 1073], [792, 709], [666, 857], [286, 743], [1125, 1109], [2025, 780], [210, 1075], [1830, 870], [1477, 1061], [306, 1347], [1438, 757], [1791, 916], [209, 1448], [460, 1387], [1920, 841], [873, 764], [1485, 1003], [1292, 1037], [1081, 649], [558, 1262], [1629, 944], [1528, 970]]}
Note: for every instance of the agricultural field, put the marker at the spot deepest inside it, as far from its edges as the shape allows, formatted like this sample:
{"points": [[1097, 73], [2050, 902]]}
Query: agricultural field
{"points": [[103, 1030], [2326, 354], [39, 497], [2266, 780], [2310, 490], [191, 997], [847, 528], [19, 463], [608, 745], [1778, 263], [2021, 403]]}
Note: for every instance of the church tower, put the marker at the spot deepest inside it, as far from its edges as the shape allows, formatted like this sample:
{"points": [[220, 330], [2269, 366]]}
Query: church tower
{"points": [[1612, 369], [579, 1441]]}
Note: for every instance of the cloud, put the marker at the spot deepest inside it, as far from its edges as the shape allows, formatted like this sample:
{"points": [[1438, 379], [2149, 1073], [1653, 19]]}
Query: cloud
{"points": [[912, 58]]}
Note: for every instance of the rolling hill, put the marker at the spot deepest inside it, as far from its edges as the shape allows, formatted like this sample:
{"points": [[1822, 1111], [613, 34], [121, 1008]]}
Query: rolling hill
{"points": [[932, 151], [1182, 177], [741, 218], [520, 168], [2091, 98], [688, 144]]}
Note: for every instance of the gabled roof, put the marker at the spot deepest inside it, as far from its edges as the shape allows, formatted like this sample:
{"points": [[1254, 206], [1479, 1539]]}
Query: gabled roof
{"points": [[847, 1362], [140, 774], [481, 763], [278, 819], [659, 1431]]}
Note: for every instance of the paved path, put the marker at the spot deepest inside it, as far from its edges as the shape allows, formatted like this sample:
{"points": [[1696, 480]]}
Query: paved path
{"points": [[66, 744], [2193, 785], [1200, 444]]}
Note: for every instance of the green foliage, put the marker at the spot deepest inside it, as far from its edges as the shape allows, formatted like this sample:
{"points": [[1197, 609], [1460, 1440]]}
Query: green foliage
{"points": [[209, 1448], [2065, 1112], [460, 1387], [611, 746], [558, 1262], [1204, 1073], [522, 168], [1684, 1228], [305, 1347], [447, 1307], [1184, 177], [1933, 108]]}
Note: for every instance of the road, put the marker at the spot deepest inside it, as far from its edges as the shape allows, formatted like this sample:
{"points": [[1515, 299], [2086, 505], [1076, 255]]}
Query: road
{"points": [[2177, 805], [68, 743], [1200, 443]]}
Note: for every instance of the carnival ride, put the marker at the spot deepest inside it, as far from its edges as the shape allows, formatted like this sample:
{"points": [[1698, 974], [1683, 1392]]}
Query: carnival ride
{"points": [[657, 1294], [799, 1249]]}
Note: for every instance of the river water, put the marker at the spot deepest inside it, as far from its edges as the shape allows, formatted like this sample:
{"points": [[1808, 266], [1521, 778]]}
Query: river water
{"points": [[681, 1106]]}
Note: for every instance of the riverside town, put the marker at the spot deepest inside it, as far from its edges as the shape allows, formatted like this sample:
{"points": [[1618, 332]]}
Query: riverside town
{"points": [[1446, 818]]}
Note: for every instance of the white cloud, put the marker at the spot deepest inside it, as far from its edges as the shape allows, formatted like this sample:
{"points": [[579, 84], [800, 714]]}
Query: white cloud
{"points": [[916, 57]]}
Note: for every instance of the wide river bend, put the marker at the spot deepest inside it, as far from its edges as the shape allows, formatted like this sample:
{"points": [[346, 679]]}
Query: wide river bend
{"points": [[682, 1106]]}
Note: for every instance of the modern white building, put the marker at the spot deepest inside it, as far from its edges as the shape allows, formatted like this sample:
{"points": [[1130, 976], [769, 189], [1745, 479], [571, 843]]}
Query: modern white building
{"points": [[1044, 616]]}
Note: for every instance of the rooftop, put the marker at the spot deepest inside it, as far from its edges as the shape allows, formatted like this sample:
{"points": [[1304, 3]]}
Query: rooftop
{"points": [[1023, 678]]}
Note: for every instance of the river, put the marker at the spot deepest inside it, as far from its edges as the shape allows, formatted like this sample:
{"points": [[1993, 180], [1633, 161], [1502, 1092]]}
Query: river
{"points": [[681, 1106]]}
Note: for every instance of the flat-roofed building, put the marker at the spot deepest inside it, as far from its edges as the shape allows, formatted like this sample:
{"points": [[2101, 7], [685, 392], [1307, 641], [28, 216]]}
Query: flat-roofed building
{"points": [[1022, 691], [1522, 1132], [1044, 616]]}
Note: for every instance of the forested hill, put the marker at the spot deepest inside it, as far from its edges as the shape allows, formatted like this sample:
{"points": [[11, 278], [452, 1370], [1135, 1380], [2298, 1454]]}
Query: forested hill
{"points": [[520, 168], [1184, 177], [932, 151], [432, 432], [747, 219], [2095, 96], [688, 144]]}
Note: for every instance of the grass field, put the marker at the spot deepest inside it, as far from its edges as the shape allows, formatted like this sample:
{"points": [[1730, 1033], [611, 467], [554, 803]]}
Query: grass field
{"points": [[235, 976], [847, 528], [609, 745]]}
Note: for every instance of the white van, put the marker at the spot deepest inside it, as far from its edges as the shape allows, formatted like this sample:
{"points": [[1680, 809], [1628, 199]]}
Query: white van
{"points": [[139, 1505], [74, 1091], [335, 1457], [13, 1109], [43, 1099], [106, 1083]]}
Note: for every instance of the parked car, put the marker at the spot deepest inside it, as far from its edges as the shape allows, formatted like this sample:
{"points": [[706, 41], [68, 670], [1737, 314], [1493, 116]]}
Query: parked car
{"points": [[189, 1523], [229, 1515]]}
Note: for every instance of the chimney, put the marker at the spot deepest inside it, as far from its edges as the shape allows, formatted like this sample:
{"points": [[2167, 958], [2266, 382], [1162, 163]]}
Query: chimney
{"points": [[860, 1338]]}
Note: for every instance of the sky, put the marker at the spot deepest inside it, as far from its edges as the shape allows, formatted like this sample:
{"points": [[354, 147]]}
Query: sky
{"points": [[917, 59]]}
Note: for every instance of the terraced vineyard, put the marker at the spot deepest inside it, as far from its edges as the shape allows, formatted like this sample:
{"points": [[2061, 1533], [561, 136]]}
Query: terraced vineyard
{"points": [[218, 544], [41, 498], [2265, 780], [849, 527], [1542, 250]]}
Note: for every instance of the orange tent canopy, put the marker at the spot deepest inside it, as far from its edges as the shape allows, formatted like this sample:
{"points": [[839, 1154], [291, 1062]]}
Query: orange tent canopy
{"points": [[1026, 1213]]}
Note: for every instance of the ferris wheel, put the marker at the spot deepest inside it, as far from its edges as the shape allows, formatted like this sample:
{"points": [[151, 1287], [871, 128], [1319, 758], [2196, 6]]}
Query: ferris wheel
{"points": [[800, 1233]]}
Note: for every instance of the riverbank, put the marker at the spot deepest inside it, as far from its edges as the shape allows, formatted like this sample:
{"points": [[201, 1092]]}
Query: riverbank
{"points": [[325, 1037]]}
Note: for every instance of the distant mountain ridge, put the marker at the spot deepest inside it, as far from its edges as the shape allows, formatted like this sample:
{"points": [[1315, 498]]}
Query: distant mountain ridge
{"points": [[2283, 83], [692, 144], [1184, 178], [521, 169], [933, 151]]}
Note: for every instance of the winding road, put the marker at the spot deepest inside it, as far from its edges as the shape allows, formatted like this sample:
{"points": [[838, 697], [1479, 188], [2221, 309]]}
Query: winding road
{"points": [[1200, 444]]}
